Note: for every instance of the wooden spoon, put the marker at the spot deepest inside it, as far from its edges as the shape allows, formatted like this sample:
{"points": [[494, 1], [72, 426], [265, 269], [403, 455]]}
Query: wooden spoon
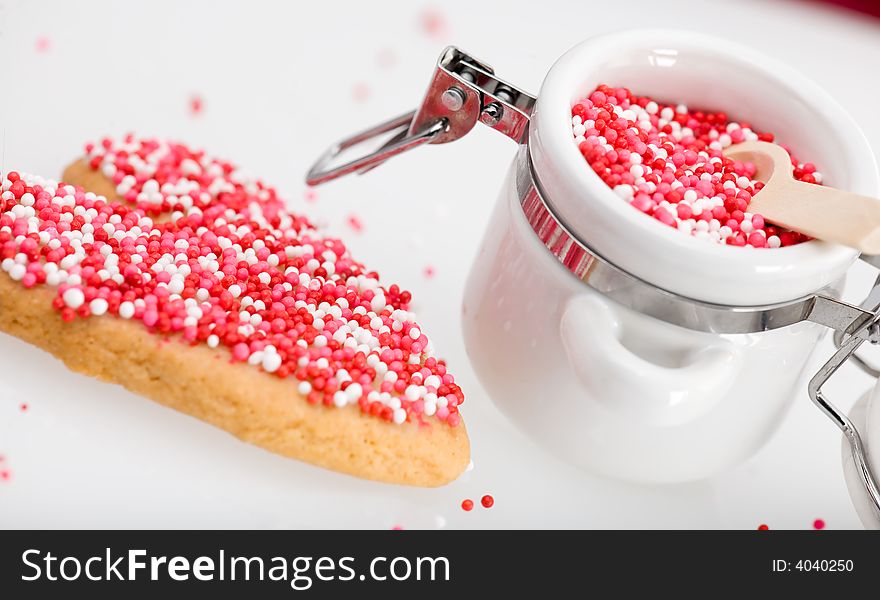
{"points": [[819, 211]]}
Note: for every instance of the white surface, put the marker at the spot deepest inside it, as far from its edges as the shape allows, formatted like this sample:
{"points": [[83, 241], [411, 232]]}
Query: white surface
{"points": [[278, 83], [697, 70]]}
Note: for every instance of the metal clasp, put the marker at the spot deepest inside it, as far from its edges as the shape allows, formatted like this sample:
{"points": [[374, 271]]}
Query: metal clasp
{"points": [[463, 91], [864, 326], [846, 351]]}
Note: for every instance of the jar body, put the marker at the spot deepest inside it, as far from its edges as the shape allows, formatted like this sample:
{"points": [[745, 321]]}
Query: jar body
{"points": [[609, 389]]}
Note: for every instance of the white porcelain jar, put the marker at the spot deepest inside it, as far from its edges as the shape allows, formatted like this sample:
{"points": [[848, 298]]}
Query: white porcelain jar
{"points": [[621, 344], [613, 390]]}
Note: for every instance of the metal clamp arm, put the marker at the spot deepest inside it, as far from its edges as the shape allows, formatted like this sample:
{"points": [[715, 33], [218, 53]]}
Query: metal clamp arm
{"points": [[463, 91], [400, 142]]}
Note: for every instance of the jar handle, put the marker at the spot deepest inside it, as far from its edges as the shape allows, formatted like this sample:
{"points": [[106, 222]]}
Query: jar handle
{"points": [[632, 384], [463, 91]]}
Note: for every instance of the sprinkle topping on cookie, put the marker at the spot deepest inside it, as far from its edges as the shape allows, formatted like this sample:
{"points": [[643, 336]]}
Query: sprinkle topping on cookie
{"points": [[197, 248]]}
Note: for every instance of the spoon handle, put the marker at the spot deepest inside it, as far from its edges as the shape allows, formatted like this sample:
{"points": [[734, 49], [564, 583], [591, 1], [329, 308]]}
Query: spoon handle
{"points": [[822, 212]]}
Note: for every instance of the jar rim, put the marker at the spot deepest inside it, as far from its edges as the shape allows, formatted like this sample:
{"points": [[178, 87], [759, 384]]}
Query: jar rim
{"points": [[699, 67]]}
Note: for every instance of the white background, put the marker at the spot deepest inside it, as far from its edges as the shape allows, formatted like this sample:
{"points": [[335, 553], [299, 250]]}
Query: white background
{"points": [[279, 81]]}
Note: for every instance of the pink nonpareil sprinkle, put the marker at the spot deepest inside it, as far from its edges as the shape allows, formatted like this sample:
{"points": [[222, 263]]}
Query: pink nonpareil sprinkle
{"points": [[360, 92], [434, 23], [386, 58], [43, 44]]}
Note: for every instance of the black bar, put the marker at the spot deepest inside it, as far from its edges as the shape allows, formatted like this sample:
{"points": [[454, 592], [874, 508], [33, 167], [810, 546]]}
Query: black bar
{"points": [[540, 564]]}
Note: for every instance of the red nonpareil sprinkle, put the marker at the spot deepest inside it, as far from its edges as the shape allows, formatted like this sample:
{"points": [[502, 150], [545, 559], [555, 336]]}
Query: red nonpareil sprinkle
{"points": [[355, 223], [763, 527], [819, 524], [667, 161], [199, 250], [467, 505], [196, 105], [487, 501]]}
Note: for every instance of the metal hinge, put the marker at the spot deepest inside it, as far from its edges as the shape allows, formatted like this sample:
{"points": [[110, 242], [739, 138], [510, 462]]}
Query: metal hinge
{"points": [[462, 92]]}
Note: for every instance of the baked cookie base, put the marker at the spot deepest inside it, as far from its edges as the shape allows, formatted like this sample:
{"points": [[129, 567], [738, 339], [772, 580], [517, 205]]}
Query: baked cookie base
{"points": [[252, 405]]}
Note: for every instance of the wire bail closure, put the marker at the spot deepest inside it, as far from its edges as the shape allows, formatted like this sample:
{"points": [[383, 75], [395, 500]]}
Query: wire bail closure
{"points": [[464, 90], [846, 351]]}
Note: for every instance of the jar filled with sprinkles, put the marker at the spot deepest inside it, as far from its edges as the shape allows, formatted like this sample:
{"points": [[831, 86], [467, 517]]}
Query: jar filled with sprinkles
{"points": [[628, 309]]}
